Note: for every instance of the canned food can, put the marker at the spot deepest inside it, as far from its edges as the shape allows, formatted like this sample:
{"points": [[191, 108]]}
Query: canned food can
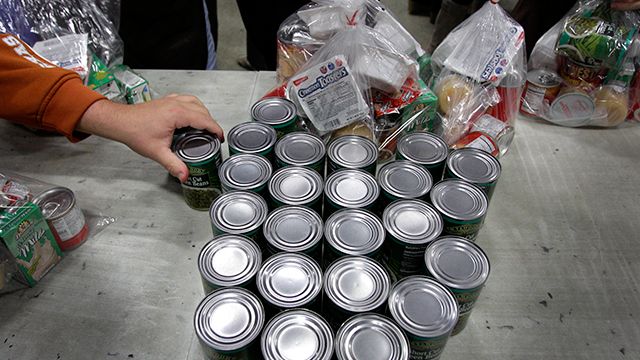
{"points": [[371, 337], [296, 185], [474, 166], [462, 267], [462, 205], [245, 172], [353, 285], [580, 75], [200, 151], [427, 311], [352, 232], [348, 188], [542, 87], [410, 225], [403, 179], [352, 152], [478, 140], [294, 229], [65, 219], [279, 113], [228, 322], [509, 90], [297, 334], [500, 132], [252, 138], [301, 149], [572, 108], [239, 213], [289, 280], [229, 260], [426, 149]]}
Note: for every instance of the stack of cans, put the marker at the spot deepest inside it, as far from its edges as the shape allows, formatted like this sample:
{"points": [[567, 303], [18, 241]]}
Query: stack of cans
{"points": [[319, 254]]}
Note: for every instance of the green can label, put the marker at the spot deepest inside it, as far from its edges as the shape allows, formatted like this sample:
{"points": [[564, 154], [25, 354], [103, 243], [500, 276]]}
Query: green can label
{"points": [[427, 349], [466, 229], [466, 301]]}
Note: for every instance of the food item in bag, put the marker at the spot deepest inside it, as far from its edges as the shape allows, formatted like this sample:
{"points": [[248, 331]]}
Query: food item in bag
{"points": [[357, 128], [384, 70], [572, 107], [451, 91], [135, 87], [614, 102], [397, 35], [68, 51], [581, 75], [542, 87]]}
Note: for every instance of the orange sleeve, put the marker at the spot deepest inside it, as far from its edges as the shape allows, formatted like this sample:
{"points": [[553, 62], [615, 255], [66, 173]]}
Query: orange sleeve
{"points": [[36, 93]]}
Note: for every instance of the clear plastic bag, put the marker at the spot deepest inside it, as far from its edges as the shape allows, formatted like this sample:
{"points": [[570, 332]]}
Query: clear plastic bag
{"points": [[582, 68], [38, 222], [479, 68], [304, 32]]}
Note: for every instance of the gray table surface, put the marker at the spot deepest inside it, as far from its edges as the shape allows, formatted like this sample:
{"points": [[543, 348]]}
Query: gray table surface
{"points": [[562, 235]]}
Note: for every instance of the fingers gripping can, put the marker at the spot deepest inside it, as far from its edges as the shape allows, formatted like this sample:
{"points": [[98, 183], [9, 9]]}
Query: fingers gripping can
{"points": [[301, 149], [239, 213], [228, 323], [426, 311], [462, 205], [297, 334], [372, 337], [201, 152], [229, 260], [462, 267]]}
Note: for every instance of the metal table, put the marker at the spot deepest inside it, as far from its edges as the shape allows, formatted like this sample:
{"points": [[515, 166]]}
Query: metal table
{"points": [[561, 235]]}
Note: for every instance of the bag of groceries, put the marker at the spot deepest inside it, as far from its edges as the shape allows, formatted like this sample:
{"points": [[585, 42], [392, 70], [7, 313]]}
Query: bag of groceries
{"points": [[583, 70], [478, 75], [305, 31]]}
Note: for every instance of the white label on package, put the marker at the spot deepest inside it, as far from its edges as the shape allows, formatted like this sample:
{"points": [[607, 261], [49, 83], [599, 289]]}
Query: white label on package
{"points": [[68, 51], [492, 54], [329, 95]]}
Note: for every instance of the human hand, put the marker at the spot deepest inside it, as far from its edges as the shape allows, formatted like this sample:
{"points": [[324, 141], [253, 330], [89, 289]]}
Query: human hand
{"points": [[625, 5], [148, 128]]}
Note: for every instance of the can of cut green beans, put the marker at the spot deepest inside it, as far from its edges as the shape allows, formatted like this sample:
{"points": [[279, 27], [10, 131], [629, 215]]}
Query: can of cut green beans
{"points": [[245, 172], [296, 185], [239, 213], [462, 267], [411, 225], [294, 229], [348, 188], [228, 323], [229, 260], [289, 280], [426, 149], [301, 149], [371, 337], [279, 113], [475, 166], [252, 138], [403, 179], [200, 151], [462, 205], [352, 152], [354, 285], [297, 334], [352, 232], [426, 311]]}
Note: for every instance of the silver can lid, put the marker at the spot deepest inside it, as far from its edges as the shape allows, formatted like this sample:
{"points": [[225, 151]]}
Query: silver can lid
{"points": [[459, 199], [295, 185], [352, 152], [252, 137], [245, 171], [229, 319], [273, 111], [354, 232], [298, 334], [423, 307], [289, 280], [404, 179], [229, 260], [238, 212], [423, 148], [196, 147], [293, 228], [55, 202], [412, 221], [356, 284], [474, 165], [371, 337], [351, 188], [300, 149], [457, 263]]}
